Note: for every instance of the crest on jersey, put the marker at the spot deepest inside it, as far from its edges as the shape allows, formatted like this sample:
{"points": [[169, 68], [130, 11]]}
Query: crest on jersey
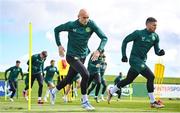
{"points": [[88, 29], [142, 65], [153, 38]]}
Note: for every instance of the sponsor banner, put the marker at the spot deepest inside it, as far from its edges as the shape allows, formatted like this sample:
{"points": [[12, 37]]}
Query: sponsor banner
{"points": [[125, 91], [2, 87], [167, 91]]}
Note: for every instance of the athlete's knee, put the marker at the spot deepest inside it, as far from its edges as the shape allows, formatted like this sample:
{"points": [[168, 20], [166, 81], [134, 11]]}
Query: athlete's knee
{"points": [[68, 80], [124, 82], [151, 78], [128, 81], [85, 75]]}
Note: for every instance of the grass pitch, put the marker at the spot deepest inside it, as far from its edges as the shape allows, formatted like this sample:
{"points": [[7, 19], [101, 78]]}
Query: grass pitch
{"points": [[138, 105], [125, 105]]}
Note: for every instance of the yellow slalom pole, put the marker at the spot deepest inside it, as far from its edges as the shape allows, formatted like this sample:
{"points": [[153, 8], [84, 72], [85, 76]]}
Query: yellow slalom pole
{"points": [[30, 65], [159, 76], [5, 90]]}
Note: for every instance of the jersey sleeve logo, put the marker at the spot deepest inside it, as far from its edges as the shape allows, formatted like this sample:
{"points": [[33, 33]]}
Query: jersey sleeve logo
{"points": [[153, 38]]}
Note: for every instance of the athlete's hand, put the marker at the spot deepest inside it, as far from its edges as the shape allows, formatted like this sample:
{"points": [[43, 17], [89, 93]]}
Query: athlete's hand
{"points": [[95, 55], [61, 51], [124, 59], [161, 52]]}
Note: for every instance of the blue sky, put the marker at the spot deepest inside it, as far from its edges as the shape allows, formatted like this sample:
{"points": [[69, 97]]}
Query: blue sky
{"points": [[117, 18]]}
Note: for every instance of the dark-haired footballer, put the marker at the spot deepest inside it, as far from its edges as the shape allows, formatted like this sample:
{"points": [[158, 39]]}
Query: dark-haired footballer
{"points": [[12, 78], [143, 41], [37, 73]]}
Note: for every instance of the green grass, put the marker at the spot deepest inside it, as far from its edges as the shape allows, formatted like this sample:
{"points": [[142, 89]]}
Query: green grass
{"points": [[125, 105], [137, 104]]}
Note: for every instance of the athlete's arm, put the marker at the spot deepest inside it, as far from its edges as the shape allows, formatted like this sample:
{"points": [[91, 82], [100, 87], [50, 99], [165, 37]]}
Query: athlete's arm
{"points": [[101, 35], [46, 68], [129, 38], [57, 71], [103, 42], [7, 72], [157, 50], [62, 27]]}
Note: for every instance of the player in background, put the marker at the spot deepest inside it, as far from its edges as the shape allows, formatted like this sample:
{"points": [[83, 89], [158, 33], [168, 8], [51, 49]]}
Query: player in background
{"points": [[50, 72], [12, 78]]}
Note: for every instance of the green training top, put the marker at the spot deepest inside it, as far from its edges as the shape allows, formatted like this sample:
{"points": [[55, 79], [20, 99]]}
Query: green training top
{"points": [[37, 64], [50, 71], [143, 40], [117, 79], [78, 37], [14, 72]]}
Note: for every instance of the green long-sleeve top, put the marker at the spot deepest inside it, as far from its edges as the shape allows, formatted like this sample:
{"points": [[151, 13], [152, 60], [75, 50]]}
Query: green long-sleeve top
{"points": [[50, 71], [94, 66], [78, 37], [14, 72], [117, 79], [37, 64], [143, 40]]}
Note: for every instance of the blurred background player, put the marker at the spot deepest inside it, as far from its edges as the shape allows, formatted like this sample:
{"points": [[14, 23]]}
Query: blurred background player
{"points": [[50, 72], [116, 80], [94, 70], [143, 41], [103, 81], [102, 71], [12, 78], [26, 82], [76, 79], [37, 73]]}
